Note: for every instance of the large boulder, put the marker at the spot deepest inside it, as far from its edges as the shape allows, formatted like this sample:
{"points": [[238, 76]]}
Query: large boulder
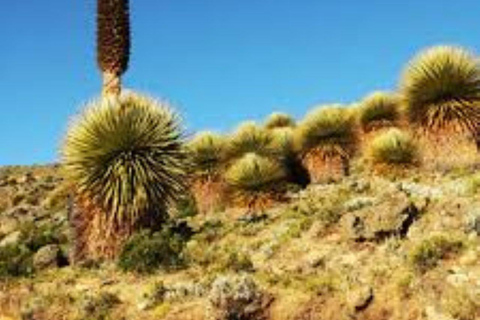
{"points": [[391, 216]]}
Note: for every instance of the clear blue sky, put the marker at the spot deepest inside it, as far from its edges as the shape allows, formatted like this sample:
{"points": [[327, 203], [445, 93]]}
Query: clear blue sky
{"points": [[218, 61]]}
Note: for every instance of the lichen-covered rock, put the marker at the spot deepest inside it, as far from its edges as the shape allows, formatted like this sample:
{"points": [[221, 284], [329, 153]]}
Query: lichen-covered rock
{"points": [[393, 216], [238, 297], [47, 257]]}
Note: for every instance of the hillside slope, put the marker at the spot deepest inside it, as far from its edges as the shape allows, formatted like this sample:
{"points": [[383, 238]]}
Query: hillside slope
{"points": [[368, 247]]}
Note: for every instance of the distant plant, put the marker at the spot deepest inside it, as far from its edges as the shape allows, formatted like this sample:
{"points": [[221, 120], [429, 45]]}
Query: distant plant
{"points": [[279, 120], [113, 43], [284, 142], [207, 157], [441, 90], [146, 252], [393, 148], [379, 110], [427, 254], [256, 182], [326, 140], [250, 138], [238, 298], [127, 164]]}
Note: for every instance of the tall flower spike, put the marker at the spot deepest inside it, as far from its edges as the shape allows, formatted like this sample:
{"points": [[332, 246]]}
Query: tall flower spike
{"points": [[113, 43]]}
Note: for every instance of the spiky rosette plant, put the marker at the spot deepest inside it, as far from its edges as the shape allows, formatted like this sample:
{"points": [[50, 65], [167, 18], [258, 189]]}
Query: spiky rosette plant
{"points": [[326, 140], [391, 149], [279, 120], [250, 138], [206, 154], [126, 163], [284, 142], [113, 43], [441, 91], [256, 182], [379, 110]]}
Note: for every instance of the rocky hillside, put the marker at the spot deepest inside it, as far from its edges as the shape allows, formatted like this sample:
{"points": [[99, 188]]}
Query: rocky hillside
{"points": [[368, 247]]}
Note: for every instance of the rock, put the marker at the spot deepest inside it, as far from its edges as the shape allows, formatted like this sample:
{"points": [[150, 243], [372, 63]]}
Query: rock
{"points": [[361, 298], [48, 257], [11, 239], [393, 216]]}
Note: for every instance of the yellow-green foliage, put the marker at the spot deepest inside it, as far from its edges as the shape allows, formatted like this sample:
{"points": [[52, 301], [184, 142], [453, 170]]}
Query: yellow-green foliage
{"points": [[126, 157], [206, 153], [250, 138], [429, 252], [328, 129], [279, 120], [441, 89], [254, 172], [283, 141], [393, 147], [379, 109]]}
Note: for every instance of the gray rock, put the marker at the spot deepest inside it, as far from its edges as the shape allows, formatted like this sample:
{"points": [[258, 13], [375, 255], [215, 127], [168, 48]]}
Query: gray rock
{"points": [[47, 257], [393, 216]]}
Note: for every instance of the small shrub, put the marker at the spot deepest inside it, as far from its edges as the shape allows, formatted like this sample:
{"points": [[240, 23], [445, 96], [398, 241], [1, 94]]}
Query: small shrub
{"points": [[393, 148], [15, 261], [427, 254], [239, 262], [238, 298], [146, 252], [98, 307]]}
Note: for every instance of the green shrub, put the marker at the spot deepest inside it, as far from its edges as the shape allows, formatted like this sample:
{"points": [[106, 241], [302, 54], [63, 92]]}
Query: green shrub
{"points": [[239, 262], [146, 251], [15, 260], [99, 306], [427, 254], [393, 147]]}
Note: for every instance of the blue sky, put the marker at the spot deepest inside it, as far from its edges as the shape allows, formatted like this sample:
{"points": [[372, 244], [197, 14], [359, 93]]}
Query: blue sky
{"points": [[218, 61]]}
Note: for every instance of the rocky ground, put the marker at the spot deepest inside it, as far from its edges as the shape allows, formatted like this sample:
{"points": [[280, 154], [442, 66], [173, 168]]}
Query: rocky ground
{"points": [[368, 247]]}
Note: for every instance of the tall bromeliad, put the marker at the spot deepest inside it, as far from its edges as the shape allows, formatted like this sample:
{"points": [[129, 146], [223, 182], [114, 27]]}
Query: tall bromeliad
{"points": [[124, 157], [441, 92], [113, 43], [326, 140]]}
